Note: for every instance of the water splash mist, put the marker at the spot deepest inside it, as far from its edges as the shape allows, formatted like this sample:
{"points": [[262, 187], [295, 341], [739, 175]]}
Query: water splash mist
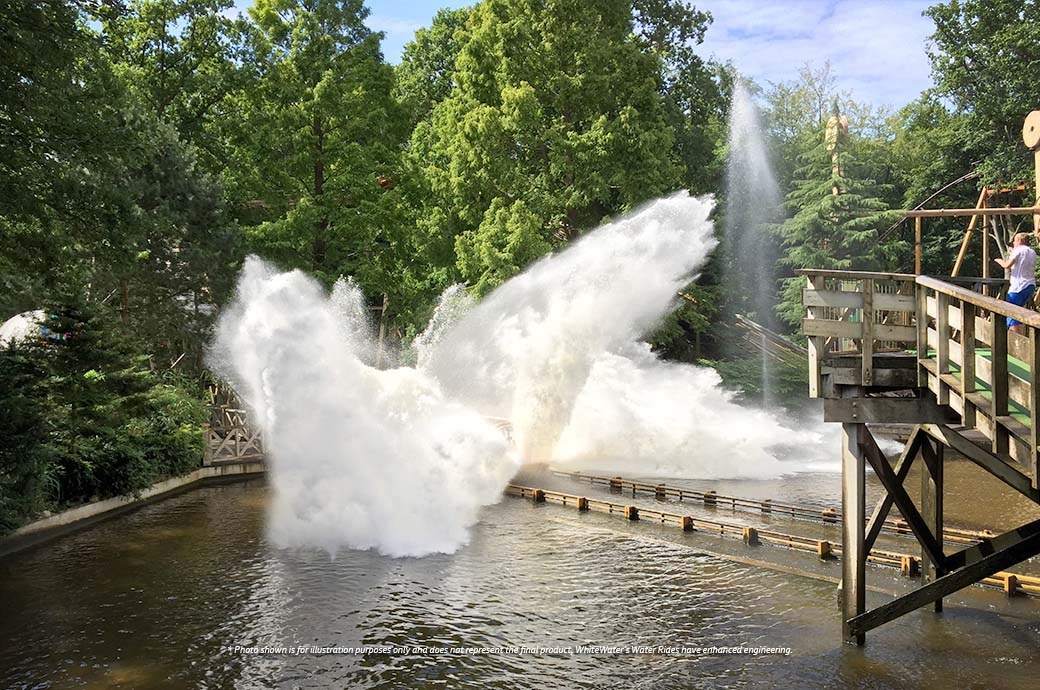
{"points": [[401, 460], [752, 200]]}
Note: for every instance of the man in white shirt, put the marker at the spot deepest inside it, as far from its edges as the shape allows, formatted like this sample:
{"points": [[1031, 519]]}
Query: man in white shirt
{"points": [[1022, 262]]}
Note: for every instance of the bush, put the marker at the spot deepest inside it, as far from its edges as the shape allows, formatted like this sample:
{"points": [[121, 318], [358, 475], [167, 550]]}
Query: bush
{"points": [[87, 417]]}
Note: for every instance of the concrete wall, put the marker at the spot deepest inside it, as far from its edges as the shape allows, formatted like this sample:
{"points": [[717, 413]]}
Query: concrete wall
{"points": [[82, 516]]}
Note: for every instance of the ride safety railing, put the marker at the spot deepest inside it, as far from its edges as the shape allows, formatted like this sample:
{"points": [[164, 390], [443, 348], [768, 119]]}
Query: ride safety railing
{"points": [[859, 313], [975, 364], [957, 339]]}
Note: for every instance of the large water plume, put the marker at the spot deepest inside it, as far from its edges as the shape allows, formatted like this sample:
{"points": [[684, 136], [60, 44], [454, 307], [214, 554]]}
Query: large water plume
{"points": [[752, 200], [558, 351], [358, 457], [402, 460]]}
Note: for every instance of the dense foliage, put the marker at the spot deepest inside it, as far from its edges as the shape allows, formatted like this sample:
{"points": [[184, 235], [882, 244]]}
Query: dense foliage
{"points": [[89, 416], [147, 145]]}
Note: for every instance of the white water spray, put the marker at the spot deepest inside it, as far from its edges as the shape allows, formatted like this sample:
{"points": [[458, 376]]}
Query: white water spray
{"points": [[752, 198], [402, 460], [358, 457], [558, 350]]}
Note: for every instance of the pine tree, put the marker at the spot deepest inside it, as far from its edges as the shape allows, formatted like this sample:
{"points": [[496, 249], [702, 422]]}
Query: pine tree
{"points": [[837, 218]]}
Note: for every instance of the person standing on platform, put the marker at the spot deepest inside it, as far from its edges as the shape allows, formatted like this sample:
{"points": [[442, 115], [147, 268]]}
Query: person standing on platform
{"points": [[1022, 262]]}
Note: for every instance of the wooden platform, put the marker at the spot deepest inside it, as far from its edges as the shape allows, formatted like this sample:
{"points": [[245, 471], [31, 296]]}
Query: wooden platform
{"points": [[897, 348]]}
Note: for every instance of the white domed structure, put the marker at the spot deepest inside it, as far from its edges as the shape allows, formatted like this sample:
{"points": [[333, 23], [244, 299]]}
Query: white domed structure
{"points": [[24, 326]]}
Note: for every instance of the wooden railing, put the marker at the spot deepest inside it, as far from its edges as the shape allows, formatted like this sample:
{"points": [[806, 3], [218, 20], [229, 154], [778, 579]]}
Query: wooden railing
{"points": [[974, 364], [856, 312], [965, 353], [229, 437]]}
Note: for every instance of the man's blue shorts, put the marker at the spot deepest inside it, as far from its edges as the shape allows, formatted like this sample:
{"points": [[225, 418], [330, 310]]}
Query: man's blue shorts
{"points": [[1020, 298]]}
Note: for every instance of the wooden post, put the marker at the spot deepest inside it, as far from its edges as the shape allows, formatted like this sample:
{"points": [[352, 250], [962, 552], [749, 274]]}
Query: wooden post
{"points": [[985, 256], [867, 341], [932, 506], [853, 505], [816, 344], [967, 235], [917, 245], [967, 362], [922, 333], [999, 402], [1031, 138], [1036, 217], [1034, 406], [942, 346]]}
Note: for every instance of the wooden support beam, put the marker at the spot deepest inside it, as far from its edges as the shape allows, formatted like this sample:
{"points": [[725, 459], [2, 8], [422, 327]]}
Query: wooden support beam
{"points": [[989, 546], [888, 411], [986, 460], [985, 256], [816, 344], [936, 565], [965, 212], [942, 350], [1033, 467], [917, 245], [867, 341], [967, 235], [947, 584], [967, 362], [921, 291], [932, 547], [901, 469], [853, 505]]}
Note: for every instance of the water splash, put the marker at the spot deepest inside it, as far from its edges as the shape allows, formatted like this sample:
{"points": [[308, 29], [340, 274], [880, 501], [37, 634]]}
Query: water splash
{"points": [[558, 351], [358, 457], [752, 199], [402, 460]]}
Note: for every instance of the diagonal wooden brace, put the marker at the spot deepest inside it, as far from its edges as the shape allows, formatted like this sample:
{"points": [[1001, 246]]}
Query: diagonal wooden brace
{"points": [[1027, 547], [989, 546], [902, 468], [902, 500]]}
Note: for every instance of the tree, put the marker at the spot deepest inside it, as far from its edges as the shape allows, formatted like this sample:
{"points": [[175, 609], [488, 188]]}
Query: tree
{"points": [[426, 75], [558, 107], [985, 57], [183, 59], [836, 217], [320, 142]]}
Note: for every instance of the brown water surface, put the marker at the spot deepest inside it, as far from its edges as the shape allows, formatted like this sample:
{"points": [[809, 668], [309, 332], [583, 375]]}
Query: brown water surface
{"points": [[161, 597]]}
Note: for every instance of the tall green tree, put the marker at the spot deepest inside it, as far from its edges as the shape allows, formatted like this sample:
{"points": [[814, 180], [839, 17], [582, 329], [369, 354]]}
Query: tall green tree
{"points": [[426, 75], [556, 120], [837, 215], [985, 57], [184, 60], [319, 142]]}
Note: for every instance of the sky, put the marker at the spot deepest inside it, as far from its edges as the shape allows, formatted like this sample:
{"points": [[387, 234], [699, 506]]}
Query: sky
{"points": [[876, 48]]}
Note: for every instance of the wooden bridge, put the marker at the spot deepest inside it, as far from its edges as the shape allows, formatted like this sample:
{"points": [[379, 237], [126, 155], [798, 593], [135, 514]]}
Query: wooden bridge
{"points": [[229, 438], [888, 347]]}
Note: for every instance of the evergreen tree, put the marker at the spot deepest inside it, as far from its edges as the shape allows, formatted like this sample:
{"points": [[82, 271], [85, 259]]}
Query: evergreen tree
{"points": [[837, 217]]}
